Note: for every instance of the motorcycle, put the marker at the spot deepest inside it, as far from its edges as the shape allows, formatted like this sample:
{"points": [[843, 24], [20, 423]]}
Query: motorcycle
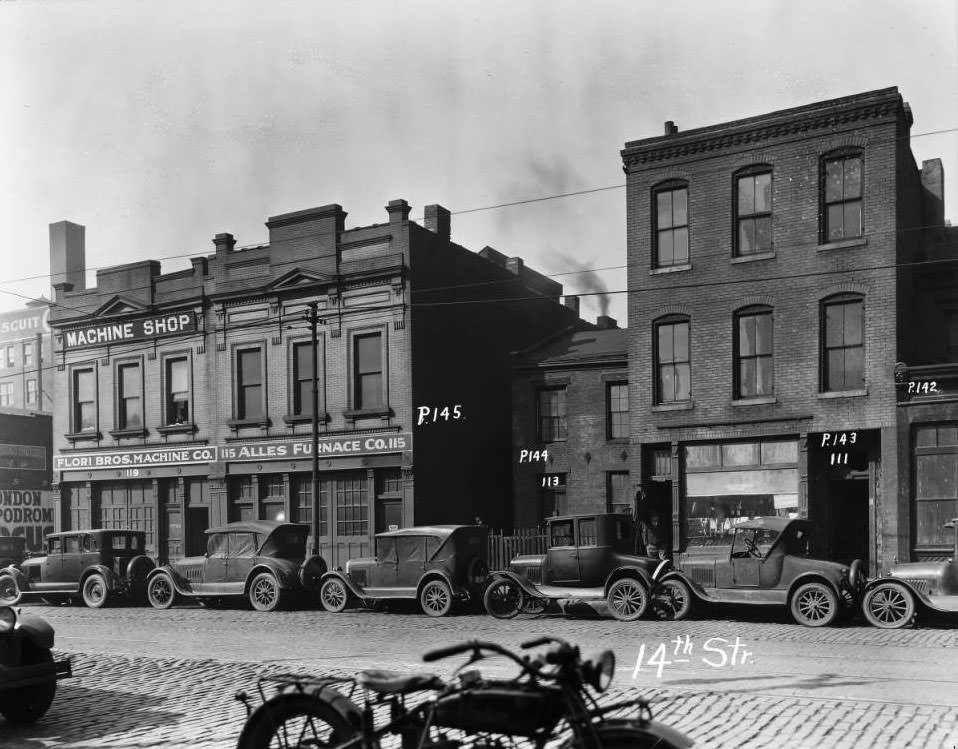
{"points": [[467, 711], [28, 673]]}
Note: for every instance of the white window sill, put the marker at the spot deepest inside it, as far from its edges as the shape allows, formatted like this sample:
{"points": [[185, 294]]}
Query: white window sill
{"points": [[763, 400], [753, 257], [844, 394], [677, 406], [670, 269], [843, 244]]}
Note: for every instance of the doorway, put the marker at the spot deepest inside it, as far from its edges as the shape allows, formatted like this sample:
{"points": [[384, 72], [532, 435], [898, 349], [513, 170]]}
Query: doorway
{"points": [[848, 526], [197, 521]]}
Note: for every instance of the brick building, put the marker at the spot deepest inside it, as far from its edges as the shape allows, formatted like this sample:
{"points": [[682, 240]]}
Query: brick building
{"points": [[570, 408], [188, 395], [770, 299], [26, 502], [25, 345]]}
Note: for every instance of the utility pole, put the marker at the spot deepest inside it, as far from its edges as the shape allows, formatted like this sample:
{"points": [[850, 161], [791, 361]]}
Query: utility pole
{"points": [[312, 318]]}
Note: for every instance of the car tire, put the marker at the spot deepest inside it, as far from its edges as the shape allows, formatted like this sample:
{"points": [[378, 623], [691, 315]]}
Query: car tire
{"points": [[628, 599], [674, 600], [10, 593], [30, 703], [435, 598], [160, 591], [503, 599], [814, 605], [334, 595], [889, 606], [95, 592], [265, 593]]}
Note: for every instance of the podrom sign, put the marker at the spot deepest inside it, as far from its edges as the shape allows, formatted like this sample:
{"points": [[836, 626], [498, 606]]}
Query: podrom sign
{"points": [[122, 331], [28, 513]]}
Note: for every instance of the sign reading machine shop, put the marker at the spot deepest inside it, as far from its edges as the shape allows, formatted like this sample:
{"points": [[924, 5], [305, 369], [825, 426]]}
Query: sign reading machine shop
{"points": [[161, 456], [329, 447], [130, 330]]}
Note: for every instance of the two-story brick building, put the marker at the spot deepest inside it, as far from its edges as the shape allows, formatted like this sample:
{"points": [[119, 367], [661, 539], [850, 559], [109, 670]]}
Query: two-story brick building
{"points": [[767, 305], [187, 396]]}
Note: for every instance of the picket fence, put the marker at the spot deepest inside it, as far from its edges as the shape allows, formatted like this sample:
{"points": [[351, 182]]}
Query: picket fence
{"points": [[503, 547]]}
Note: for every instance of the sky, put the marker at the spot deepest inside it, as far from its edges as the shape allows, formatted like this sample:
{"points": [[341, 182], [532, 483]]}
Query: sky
{"points": [[159, 124]]}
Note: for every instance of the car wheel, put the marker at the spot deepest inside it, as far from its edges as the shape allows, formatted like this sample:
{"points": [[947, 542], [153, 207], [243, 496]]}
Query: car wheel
{"points": [[265, 593], [888, 606], [435, 599], [95, 592], [503, 599], [160, 591], [333, 595], [10, 594], [673, 600], [814, 605], [628, 599], [29, 703]]}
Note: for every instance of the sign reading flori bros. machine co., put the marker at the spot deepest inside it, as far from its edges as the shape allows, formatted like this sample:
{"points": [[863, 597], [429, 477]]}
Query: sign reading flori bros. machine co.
{"points": [[136, 329]]}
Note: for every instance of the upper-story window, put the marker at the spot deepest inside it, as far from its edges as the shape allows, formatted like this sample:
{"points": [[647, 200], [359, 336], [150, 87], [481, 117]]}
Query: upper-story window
{"points": [[842, 197], [671, 226], [753, 211], [843, 343], [754, 370], [129, 396], [11, 356], [368, 391], [302, 378], [552, 414], [617, 410], [84, 400], [6, 393], [250, 394], [28, 354], [673, 375], [32, 392], [177, 390]]}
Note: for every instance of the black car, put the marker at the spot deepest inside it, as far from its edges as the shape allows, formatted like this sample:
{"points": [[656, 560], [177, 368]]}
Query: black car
{"points": [[28, 673]]}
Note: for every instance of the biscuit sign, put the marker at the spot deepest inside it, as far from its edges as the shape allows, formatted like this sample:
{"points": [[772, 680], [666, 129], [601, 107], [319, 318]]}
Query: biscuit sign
{"points": [[26, 324], [130, 330]]}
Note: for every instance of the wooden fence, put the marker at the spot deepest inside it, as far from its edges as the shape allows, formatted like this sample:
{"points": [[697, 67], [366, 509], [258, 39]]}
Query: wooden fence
{"points": [[502, 547]]}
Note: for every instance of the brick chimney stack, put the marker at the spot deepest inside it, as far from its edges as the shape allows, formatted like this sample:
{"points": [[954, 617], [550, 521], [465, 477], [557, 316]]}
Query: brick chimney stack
{"points": [[670, 128], [68, 256], [604, 322], [437, 220], [572, 302]]}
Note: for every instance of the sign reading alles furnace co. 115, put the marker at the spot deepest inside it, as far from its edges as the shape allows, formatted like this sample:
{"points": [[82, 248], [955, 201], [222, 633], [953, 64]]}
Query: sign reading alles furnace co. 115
{"points": [[130, 330]]}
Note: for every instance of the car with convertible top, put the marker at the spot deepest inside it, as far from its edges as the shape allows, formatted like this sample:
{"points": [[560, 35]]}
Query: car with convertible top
{"points": [[262, 560]]}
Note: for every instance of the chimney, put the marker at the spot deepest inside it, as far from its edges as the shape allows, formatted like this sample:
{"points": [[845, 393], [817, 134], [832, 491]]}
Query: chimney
{"points": [[670, 128], [398, 210], [68, 255], [514, 265], [604, 322], [224, 243], [437, 221], [572, 302], [932, 193]]}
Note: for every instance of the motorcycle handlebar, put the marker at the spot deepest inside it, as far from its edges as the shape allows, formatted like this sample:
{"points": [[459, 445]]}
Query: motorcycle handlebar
{"points": [[536, 642], [439, 653], [477, 645]]}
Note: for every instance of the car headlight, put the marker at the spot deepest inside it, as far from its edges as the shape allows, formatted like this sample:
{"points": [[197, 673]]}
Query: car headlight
{"points": [[602, 670], [8, 619]]}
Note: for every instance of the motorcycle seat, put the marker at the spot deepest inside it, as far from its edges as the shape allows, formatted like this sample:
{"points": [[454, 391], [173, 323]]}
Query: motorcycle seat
{"points": [[393, 682]]}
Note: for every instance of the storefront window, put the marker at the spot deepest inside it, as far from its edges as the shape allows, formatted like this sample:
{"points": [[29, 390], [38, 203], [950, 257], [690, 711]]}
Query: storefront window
{"points": [[936, 485]]}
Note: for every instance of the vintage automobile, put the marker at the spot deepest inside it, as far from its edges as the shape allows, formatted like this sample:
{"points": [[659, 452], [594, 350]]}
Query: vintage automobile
{"points": [[28, 673], [262, 560], [13, 550], [97, 565], [764, 561], [438, 565], [589, 558], [912, 590]]}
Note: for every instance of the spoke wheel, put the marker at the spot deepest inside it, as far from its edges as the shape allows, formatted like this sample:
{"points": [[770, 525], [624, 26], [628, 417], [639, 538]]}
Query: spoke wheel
{"points": [[673, 600], [333, 595], [503, 599], [888, 606], [10, 594], [160, 592], [295, 720], [264, 592], [814, 605], [95, 592], [436, 598], [628, 599]]}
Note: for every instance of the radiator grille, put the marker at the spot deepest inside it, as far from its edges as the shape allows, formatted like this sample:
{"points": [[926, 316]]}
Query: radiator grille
{"points": [[920, 585], [704, 576]]}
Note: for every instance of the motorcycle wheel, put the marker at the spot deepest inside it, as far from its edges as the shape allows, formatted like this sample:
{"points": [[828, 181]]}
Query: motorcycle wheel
{"points": [[623, 734], [293, 721], [30, 703]]}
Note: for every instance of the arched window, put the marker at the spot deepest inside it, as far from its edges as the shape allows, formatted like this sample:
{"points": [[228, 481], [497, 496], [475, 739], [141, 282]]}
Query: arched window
{"points": [[843, 343], [672, 356], [842, 192], [753, 375], [753, 210], [670, 211]]}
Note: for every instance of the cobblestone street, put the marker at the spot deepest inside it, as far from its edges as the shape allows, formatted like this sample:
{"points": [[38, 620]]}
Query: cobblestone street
{"points": [[146, 678]]}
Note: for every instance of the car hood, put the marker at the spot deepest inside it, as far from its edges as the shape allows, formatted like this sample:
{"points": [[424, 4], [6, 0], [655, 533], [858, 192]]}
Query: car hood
{"points": [[32, 562], [527, 560]]}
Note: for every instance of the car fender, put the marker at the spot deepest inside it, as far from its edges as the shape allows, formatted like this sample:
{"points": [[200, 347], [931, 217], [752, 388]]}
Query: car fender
{"points": [[661, 570], [436, 575], [36, 629], [284, 576], [921, 598], [23, 582], [526, 587], [628, 571], [813, 577], [112, 581], [697, 590], [345, 580], [180, 584]]}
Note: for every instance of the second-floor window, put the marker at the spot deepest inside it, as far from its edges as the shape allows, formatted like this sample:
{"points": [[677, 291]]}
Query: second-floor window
{"points": [[552, 414], [753, 208], [27, 355], [84, 400], [673, 381], [754, 374], [617, 413], [129, 396], [303, 379], [368, 372], [842, 198], [177, 391], [843, 344], [11, 356], [32, 393], [249, 384], [671, 227], [6, 393]]}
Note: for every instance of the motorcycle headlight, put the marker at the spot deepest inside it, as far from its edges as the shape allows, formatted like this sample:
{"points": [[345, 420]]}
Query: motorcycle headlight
{"points": [[8, 619], [603, 670]]}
